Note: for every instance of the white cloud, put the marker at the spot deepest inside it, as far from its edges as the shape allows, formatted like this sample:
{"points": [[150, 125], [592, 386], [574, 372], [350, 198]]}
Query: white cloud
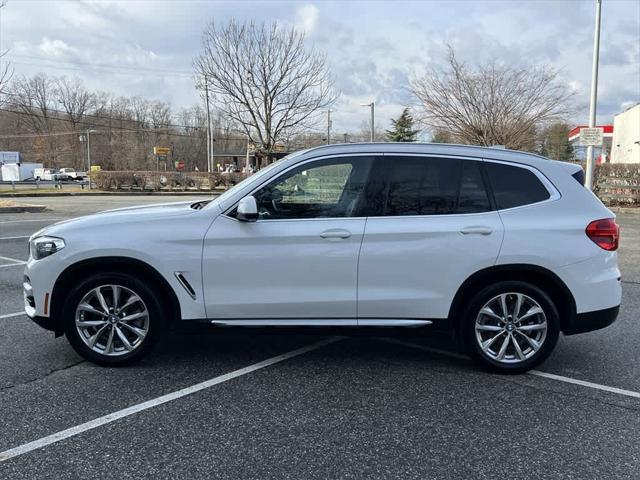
{"points": [[54, 48], [307, 18]]}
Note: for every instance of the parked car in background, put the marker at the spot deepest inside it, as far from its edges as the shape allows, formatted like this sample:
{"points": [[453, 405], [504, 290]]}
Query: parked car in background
{"points": [[505, 249], [73, 174], [45, 173]]}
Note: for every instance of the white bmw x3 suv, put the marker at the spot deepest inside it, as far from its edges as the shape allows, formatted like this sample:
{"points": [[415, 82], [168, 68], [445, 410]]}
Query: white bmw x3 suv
{"points": [[505, 249]]}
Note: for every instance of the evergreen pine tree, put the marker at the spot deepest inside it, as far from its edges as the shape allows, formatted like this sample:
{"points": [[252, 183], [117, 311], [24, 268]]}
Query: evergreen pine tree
{"points": [[403, 128]]}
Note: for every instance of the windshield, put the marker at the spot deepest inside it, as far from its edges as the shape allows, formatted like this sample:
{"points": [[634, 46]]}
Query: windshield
{"points": [[259, 174]]}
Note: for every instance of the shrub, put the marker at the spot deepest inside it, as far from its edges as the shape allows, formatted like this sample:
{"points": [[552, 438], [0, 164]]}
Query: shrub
{"points": [[618, 183]]}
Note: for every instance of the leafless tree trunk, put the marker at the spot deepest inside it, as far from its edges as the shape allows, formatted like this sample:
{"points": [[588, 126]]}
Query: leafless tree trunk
{"points": [[264, 79], [492, 104]]}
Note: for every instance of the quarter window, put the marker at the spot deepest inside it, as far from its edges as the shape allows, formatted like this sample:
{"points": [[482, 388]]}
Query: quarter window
{"points": [[515, 186]]}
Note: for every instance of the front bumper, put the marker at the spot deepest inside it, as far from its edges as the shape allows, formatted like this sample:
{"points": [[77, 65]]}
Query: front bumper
{"points": [[48, 323], [590, 321]]}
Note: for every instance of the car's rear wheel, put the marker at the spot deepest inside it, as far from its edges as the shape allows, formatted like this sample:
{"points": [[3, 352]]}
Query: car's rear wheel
{"points": [[510, 327], [113, 319]]}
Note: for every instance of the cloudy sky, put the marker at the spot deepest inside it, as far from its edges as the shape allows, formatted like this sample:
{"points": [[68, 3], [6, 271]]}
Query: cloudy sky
{"points": [[373, 48]]}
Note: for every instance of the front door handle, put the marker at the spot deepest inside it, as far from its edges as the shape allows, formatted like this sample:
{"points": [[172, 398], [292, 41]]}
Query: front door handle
{"points": [[477, 230], [335, 233]]}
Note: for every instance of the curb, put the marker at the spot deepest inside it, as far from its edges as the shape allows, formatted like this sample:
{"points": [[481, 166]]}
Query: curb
{"points": [[101, 194], [624, 209], [23, 209]]}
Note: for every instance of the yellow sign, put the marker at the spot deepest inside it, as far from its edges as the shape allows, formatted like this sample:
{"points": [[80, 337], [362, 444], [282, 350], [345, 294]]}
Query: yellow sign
{"points": [[161, 150], [96, 168]]}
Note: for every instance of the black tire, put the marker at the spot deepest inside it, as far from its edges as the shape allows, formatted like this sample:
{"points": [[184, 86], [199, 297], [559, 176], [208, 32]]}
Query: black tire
{"points": [[143, 289], [472, 345]]}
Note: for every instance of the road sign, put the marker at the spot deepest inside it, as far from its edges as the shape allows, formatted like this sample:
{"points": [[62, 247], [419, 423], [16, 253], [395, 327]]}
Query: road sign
{"points": [[591, 137], [161, 151]]}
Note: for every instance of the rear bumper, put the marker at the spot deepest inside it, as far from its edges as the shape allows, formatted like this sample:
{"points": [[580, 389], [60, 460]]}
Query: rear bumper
{"points": [[589, 321]]}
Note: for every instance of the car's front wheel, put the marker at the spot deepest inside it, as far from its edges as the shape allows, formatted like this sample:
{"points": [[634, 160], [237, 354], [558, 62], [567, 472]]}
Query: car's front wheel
{"points": [[113, 319], [510, 327]]}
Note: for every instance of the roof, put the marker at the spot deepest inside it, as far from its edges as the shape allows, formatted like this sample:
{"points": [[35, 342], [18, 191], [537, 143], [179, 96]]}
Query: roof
{"points": [[428, 148]]}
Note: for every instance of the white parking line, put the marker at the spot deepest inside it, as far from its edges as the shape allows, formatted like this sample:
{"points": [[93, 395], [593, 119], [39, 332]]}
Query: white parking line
{"points": [[9, 315], [14, 238], [552, 376], [112, 417], [597, 386], [15, 261]]}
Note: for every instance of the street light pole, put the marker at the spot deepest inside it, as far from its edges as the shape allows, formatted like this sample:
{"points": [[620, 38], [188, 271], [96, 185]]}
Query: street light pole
{"points": [[209, 136], [372, 105], [594, 94], [89, 132]]}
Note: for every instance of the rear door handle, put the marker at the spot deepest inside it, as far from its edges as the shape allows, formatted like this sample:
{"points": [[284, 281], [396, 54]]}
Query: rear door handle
{"points": [[335, 233], [476, 230]]}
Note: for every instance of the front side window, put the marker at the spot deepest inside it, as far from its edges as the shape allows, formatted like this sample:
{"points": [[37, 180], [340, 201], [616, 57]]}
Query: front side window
{"points": [[322, 189], [434, 186], [515, 186]]}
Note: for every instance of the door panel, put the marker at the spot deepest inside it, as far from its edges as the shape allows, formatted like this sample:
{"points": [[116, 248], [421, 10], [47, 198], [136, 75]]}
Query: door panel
{"points": [[300, 259], [412, 266], [305, 268]]}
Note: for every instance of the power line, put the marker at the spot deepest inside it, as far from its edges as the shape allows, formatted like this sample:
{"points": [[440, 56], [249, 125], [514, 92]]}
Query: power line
{"points": [[51, 134], [166, 72], [162, 131]]}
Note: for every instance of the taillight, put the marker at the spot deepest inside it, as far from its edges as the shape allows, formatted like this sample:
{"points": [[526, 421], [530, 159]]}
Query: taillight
{"points": [[605, 233]]}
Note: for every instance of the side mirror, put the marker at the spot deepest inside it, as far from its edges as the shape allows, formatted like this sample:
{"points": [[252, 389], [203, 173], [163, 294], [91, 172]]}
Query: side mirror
{"points": [[247, 209]]}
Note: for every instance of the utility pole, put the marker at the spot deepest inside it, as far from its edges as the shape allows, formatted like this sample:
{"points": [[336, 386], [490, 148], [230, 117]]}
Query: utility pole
{"points": [[594, 94], [373, 127], [372, 105], [89, 155], [90, 130], [209, 139], [328, 127]]}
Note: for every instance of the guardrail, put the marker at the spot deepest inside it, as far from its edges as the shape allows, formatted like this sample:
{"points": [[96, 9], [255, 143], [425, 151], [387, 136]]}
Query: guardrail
{"points": [[46, 183]]}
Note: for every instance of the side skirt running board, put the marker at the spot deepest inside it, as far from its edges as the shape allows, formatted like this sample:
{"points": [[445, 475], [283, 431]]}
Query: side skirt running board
{"points": [[316, 322]]}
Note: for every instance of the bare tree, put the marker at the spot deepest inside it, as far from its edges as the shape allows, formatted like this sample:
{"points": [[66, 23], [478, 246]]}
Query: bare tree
{"points": [[492, 104], [264, 79], [6, 72], [74, 99]]}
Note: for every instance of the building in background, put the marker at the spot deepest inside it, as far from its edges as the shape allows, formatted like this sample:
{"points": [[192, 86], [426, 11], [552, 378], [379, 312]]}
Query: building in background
{"points": [[601, 154], [12, 169], [626, 136]]}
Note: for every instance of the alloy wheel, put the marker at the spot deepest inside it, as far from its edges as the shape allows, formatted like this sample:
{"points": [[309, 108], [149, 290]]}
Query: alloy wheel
{"points": [[511, 328], [112, 320]]}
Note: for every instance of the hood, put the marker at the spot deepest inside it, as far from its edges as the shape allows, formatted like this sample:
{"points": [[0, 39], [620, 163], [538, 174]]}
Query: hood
{"points": [[138, 215]]}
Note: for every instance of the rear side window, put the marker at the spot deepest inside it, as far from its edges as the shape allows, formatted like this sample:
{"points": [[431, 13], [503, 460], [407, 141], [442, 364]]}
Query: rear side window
{"points": [[422, 186], [434, 186], [515, 186]]}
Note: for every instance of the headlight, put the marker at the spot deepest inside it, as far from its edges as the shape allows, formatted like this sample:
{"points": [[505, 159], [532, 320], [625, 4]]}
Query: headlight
{"points": [[44, 246]]}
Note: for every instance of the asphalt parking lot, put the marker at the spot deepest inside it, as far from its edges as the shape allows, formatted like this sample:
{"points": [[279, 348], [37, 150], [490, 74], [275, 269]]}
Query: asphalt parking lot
{"points": [[247, 405]]}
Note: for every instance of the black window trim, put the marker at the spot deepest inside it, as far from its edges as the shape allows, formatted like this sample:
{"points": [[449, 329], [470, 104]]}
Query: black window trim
{"points": [[374, 155]]}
